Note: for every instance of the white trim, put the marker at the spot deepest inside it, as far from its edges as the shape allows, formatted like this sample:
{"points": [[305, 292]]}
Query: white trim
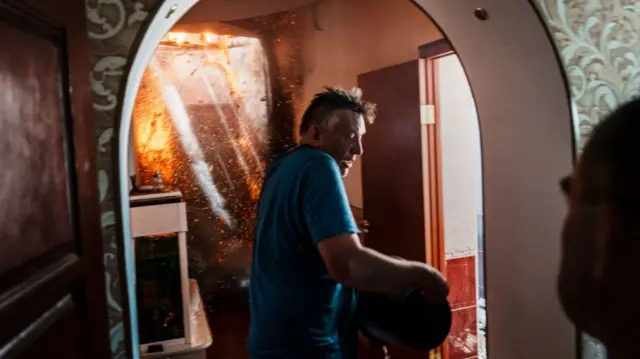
{"points": [[525, 123], [168, 14], [168, 345], [184, 281], [155, 195], [524, 111], [158, 219]]}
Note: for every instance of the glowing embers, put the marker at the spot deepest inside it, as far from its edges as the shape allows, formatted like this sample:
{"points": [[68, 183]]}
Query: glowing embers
{"points": [[214, 103], [205, 40], [154, 139]]}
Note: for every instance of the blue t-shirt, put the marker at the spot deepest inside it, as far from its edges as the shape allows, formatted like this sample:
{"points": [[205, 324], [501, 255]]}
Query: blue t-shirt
{"points": [[296, 307]]}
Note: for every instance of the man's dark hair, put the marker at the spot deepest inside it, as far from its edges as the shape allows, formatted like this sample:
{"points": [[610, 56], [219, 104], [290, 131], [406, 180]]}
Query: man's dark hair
{"points": [[334, 98], [611, 159]]}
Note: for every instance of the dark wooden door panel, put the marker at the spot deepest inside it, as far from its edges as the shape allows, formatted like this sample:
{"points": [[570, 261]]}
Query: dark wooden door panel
{"points": [[392, 162], [52, 295], [62, 318], [392, 176], [35, 212], [33, 291]]}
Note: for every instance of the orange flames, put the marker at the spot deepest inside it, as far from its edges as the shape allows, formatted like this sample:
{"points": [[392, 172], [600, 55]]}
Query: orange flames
{"points": [[152, 130], [255, 186], [155, 138]]}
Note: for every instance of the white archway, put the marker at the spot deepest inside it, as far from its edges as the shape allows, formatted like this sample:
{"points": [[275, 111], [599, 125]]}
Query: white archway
{"points": [[527, 145], [165, 18]]}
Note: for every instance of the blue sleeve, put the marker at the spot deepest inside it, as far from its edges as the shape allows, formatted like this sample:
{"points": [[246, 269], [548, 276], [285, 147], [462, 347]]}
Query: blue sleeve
{"points": [[324, 201]]}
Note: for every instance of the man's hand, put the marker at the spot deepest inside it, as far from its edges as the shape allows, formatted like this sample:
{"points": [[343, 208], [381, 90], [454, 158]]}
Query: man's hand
{"points": [[433, 285]]}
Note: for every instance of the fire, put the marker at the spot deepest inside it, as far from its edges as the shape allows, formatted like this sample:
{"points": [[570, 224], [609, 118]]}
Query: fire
{"points": [[152, 130], [177, 37], [207, 39], [210, 38], [218, 79], [255, 187]]}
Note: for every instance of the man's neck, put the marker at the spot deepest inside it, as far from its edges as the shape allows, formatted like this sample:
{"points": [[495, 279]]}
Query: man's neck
{"points": [[305, 142]]}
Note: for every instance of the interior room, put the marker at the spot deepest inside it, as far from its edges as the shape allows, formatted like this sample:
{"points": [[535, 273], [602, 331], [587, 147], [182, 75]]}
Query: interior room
{"points": [[219, 96], [138, 132]]}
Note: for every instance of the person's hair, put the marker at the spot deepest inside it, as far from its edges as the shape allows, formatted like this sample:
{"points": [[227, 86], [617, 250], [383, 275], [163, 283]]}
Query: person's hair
{"points": [[610, 161], [325, 103]]}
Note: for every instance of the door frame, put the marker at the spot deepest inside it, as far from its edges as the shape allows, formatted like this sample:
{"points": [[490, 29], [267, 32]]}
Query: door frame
{"points": [[523, 252], [163, 19], [431, 151], [432, 161]]}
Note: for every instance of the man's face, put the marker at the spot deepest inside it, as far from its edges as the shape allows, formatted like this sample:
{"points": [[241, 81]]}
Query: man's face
{"points": [[341, 137]]}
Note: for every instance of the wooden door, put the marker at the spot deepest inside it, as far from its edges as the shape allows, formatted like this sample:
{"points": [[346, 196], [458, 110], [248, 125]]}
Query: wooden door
{"points": [[52, 289], [395, 178], [392, 185]]}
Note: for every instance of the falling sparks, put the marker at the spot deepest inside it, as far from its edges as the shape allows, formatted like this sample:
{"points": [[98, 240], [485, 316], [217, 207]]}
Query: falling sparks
{"points": [[207, 95], [192, 147]]}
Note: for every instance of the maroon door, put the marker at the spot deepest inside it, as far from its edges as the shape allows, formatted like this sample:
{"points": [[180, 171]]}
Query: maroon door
{"points": [[52, 289], [392, 181], [392, 175]]}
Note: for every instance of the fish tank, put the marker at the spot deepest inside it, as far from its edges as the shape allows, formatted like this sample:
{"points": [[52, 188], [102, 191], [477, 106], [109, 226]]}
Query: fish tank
{"points": [[159, 288], [159, 231]]}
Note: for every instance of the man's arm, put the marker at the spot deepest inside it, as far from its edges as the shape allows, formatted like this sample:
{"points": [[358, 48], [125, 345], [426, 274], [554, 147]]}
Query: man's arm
{"points": [[354, 265], [328, 216]]}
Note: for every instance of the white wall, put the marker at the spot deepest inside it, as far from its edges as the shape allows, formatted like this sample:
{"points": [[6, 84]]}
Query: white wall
{"points": [[461, 161], [359, 36], [525, 122]]}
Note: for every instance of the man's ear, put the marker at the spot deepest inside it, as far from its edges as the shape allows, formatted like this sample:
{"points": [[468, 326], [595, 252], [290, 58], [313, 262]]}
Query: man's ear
{"points": [[314, 133]]}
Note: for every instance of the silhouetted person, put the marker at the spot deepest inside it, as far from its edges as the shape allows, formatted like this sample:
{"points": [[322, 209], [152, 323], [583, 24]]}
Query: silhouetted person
{"points": [[599, 281], [307, 247]]}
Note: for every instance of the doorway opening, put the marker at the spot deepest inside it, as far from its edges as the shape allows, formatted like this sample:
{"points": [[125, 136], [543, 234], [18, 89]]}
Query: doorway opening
{"points": [[218, 99], [462, 207], [422, 181], [306, 44]]}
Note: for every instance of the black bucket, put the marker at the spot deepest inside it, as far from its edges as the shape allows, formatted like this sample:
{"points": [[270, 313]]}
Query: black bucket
{"points": [[408, 321]]}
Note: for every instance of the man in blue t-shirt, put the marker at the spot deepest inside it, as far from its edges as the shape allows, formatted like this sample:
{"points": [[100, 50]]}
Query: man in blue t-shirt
{"points": [[307, 252]]}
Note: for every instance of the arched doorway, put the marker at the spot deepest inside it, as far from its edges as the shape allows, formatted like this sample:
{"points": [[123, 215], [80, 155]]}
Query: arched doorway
{"points": [[525, 123]]}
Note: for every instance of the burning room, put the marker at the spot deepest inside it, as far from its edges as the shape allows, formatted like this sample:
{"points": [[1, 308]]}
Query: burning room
{"points": [[224, 91], [220, 97]]}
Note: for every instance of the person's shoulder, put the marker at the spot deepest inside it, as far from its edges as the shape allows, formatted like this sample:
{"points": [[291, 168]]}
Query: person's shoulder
{"points": [[308, 161], [307, 156]]}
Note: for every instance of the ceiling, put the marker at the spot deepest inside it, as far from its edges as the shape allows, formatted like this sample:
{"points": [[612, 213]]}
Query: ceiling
{"points": [[228, 10]]}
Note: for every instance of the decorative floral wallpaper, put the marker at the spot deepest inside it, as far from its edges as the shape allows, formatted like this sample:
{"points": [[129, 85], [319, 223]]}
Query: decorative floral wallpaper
{"points": [[598, 42], [599, 45], [113, 26]]}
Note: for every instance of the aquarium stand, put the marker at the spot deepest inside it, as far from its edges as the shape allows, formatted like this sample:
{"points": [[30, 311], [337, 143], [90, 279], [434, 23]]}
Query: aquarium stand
{"points": [[159, 227]]}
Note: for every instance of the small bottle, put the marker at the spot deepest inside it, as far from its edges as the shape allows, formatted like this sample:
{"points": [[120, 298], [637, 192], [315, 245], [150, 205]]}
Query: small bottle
{"points": [[157, 181]]}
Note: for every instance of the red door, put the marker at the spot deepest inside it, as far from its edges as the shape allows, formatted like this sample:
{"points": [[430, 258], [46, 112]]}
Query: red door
{"points": [[52, 289]]}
